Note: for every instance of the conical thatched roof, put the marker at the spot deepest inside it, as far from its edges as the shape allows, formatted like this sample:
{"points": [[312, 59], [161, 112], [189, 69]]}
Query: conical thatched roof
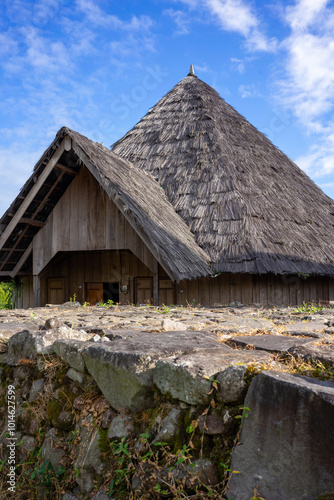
{"points": [[250, 208]]}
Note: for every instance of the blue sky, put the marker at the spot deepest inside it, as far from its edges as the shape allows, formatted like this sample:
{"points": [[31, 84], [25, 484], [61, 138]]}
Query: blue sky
{"points": [[98, 66]]}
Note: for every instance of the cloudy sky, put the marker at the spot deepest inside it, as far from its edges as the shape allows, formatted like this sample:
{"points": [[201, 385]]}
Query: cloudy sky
{"points": [[97, 66]]}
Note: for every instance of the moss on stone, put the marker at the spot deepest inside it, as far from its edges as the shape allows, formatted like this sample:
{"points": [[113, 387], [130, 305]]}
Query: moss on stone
{"points": [[53, 409], [103, 443]]}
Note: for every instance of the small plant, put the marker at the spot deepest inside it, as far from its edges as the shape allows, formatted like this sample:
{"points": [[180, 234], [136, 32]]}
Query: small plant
{"points": [[109, 303], [309, 308], [165, 309], [245, 412], [73, 299], [45, 474]]}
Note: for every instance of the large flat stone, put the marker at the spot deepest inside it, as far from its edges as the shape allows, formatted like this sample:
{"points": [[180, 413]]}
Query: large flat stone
{"points": [[247, 325], [189, 377], [28, 344], [286, 447], [323, 354], [7, 330], [270, 343], [314, 329], [71, 352], [123, 369]]}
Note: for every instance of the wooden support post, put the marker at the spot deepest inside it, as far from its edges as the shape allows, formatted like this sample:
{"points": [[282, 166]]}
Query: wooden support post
{"points": [[36, 290], [156, 283]]}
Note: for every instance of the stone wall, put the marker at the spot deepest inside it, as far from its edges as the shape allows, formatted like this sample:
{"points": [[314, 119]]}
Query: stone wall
{"points": [[102, 413]]}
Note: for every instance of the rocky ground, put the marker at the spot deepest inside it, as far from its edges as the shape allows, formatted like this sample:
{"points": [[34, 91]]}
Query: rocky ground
{"points": [[279, 329]]}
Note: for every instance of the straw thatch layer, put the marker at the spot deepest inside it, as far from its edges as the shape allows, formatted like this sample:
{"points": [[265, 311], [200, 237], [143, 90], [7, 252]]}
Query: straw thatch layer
{"points": [[250, 208]]}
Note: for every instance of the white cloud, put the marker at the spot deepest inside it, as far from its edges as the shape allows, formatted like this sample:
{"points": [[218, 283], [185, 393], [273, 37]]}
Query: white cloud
{"points": [[319, 160], [233, 15], [239, 63], [8, 45], [304, 13], [307, 87], [181, 20], [236, 16], [98, 17], [248, 91]]}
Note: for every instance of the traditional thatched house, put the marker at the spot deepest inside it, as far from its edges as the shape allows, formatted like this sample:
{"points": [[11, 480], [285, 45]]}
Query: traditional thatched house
{"points": [[193, 205]]}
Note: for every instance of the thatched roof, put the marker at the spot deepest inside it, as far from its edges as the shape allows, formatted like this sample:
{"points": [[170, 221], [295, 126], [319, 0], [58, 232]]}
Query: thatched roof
{"points": [[138, 196], [250, 208], [198, 183]]}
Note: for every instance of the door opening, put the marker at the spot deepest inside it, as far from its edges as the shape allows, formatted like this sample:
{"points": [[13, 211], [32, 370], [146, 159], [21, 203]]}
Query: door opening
{"points": [[111, 292]]}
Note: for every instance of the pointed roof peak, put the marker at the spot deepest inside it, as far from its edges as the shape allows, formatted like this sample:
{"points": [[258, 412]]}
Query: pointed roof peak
{"points": [[191, 71]]}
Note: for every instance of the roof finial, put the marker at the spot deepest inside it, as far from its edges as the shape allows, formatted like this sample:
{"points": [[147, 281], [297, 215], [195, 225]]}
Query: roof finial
{"points": [[191, 71]]}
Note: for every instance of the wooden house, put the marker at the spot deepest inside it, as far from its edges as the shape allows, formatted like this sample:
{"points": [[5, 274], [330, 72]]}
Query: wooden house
{"points": [[193, 205]]}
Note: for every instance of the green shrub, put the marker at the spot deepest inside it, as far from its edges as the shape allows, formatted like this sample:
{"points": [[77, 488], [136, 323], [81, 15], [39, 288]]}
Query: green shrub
{"points": [[6, 295]]}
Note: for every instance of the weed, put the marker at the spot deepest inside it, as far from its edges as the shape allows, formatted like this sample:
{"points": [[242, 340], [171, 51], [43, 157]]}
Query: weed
{"points": [[165, 309], [309, 308], [73, 299], [245, 412], [109, 303]]}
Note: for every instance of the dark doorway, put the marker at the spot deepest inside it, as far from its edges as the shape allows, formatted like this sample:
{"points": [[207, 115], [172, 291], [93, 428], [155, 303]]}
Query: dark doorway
{"points": [[111, 292]]}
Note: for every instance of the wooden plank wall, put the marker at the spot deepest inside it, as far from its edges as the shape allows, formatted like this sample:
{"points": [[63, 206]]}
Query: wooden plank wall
{"points": [[83, 267], [86, 219], [254, 289], [26, 298], [79, 268]]}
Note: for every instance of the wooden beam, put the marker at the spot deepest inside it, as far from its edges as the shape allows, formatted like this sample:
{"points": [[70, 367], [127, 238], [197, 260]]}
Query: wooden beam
{"points": [[13, 249], [50, 186], [32, 193], [66, 169], [9, 256], [36, 290], [68, 143], [21, 261], [5, 273], [32, 222], [156, 283]]}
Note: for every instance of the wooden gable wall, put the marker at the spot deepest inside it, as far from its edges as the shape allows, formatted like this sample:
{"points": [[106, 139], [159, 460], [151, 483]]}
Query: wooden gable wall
{"points": [[85, 219]]}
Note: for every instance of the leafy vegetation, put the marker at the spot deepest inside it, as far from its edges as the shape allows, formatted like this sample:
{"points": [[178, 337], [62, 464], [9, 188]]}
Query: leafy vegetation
{"points": [[6, 294], [310, 308]]}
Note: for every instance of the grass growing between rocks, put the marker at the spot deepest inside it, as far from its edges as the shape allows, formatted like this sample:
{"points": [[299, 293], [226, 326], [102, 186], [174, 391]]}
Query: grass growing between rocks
{"points": [[311, 308], [295, 365]]}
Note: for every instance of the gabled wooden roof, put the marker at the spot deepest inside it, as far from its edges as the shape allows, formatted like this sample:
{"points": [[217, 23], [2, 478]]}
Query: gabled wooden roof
{"points": [[137, 195], [251, 209]]}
